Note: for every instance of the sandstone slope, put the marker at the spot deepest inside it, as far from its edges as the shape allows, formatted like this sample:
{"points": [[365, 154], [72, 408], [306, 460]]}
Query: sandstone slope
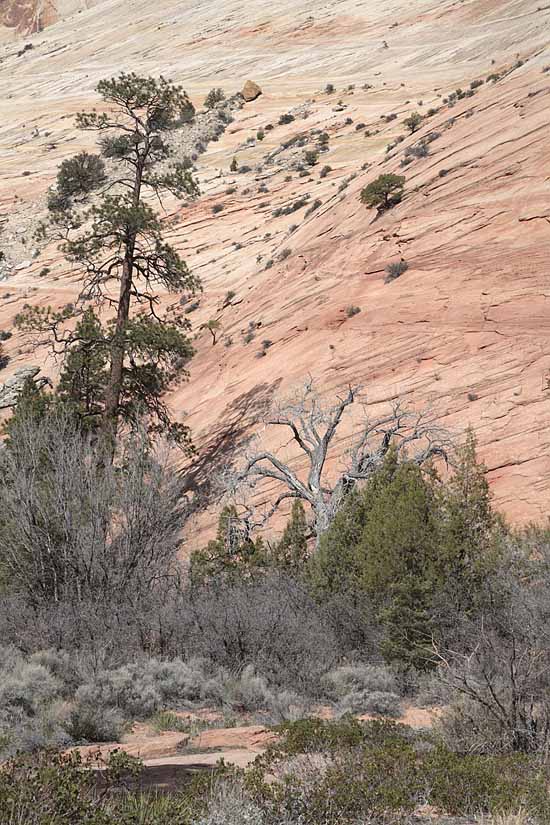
{"points": [[465, 329]]}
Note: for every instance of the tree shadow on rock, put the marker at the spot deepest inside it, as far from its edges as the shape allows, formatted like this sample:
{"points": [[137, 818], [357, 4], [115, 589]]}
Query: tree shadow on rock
{"points": [[234, 432]]}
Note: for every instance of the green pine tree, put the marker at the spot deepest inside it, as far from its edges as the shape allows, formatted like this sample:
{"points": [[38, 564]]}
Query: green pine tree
{"points": [[84, 376], [230, 553], [420, 549], [469, 531], [121, 240], [33, 404], [384, 544], [291, 552]]}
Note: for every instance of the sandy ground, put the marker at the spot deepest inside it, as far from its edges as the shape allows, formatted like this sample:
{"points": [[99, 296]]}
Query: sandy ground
{"points": [[173, 757]]}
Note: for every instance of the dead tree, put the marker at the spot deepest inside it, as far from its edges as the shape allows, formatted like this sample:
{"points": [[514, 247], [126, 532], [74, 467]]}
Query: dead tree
{"points": [[313, 427]]}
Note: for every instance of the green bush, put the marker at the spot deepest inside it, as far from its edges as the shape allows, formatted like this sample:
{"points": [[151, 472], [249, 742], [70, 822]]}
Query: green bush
{"points": [[167, 720], [214, 97], [313, 207], [394, 270], [377, 703], [344, 772], [314, 735], [55, 789], [80, 175], [465, 785], [348, 678], [330, 773], [95, 723], [56, 202], [366, 770], [413, 121], [299, 203]]}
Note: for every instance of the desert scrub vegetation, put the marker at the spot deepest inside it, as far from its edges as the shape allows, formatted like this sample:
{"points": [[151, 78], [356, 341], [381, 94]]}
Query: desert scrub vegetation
{"points": [[266, 344], [378, 768], [346, 182], [270, 628], [413, 122], [48, 701], [214, 97], [294, 206], [364, 688], [51, 788], [327, 773], [323, 141], [395, 270], [311, 157], [352, 310], [313, 207], [286, 119], [419, 150]]}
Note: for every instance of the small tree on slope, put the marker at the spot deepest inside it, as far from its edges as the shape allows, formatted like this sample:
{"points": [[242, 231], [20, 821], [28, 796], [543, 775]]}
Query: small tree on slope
{"points": [[384, 192]]}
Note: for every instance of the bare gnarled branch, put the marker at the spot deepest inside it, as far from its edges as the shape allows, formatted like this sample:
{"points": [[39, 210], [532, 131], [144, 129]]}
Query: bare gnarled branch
{"points": [[313, 428]]}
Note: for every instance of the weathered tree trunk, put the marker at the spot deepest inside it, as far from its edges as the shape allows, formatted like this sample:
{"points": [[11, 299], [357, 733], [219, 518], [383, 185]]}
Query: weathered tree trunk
{"points": [[118, 347]]}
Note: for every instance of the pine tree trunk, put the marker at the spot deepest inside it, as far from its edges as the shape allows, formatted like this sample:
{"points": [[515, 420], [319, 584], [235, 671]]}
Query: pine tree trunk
{"points": [[114, 386], [118, 347]]}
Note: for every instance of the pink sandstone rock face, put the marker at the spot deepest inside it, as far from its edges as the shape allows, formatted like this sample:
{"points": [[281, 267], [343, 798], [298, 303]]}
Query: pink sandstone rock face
{"points": [[27, 17], [464, 330]]}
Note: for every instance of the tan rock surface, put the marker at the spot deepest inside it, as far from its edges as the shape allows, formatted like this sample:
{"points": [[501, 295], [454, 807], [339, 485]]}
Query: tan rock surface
{"points": [[142, 744], [254, 738], [237, 746], [465, 329]]}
